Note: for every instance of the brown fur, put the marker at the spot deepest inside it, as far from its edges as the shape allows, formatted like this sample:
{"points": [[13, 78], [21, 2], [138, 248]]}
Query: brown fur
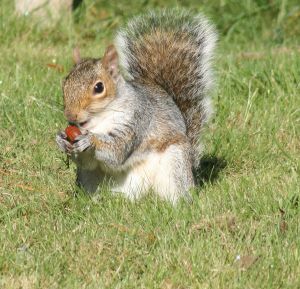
{"points": [[165, 46], [161, 144]]}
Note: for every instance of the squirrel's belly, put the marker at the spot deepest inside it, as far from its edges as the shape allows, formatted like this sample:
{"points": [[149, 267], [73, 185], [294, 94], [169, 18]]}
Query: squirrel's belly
{"points": [[138, 178]]}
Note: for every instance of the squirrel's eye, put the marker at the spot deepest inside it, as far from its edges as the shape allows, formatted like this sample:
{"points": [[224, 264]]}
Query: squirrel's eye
{"points": [[99, 87]]}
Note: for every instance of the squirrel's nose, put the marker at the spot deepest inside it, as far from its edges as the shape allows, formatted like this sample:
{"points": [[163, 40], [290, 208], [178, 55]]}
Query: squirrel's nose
{"points": [[71, 117]]}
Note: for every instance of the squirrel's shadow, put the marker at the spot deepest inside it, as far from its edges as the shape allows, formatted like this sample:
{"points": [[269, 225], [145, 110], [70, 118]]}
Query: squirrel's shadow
{"points": [[209, 169]]}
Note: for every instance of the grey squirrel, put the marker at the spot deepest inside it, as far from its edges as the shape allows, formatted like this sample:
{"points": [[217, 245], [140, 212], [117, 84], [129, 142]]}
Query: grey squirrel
{"points": [[142, 107]]}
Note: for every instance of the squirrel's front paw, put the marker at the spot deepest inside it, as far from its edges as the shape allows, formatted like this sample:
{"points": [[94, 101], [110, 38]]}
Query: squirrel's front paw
{"points": [[62, 142], [82, 143]]}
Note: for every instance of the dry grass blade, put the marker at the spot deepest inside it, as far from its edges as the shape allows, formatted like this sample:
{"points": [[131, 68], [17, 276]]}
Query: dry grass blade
{"points": [[246, 261]]}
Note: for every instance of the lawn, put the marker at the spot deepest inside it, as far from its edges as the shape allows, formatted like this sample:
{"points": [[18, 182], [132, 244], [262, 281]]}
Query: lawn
{"points": [[241, 231]]}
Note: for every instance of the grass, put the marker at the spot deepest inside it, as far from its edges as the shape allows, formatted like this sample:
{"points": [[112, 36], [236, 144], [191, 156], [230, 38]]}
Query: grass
{"points": [[242, 231]]}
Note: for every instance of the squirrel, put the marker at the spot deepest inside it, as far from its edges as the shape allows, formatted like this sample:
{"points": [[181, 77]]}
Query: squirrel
{"points": [[142, 106]]}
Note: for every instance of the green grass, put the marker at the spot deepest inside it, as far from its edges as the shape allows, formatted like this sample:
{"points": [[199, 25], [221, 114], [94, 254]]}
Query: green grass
{"points": [[246, 208]]}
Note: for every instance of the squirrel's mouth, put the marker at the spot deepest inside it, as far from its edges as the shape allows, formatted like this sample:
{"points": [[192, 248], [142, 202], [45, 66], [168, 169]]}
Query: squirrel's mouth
{"points": [[84, 123]]}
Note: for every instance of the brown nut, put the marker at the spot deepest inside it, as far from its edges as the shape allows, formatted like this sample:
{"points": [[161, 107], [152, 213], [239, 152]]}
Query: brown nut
{"points": [[72, 132]]}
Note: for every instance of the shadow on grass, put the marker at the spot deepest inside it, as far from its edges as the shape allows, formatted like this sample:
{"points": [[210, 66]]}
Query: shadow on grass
{"points": [[209, 169]]}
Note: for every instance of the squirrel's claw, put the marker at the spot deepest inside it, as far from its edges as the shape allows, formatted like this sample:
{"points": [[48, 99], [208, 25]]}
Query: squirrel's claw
{"points": [[62, 142], [82, 143]]}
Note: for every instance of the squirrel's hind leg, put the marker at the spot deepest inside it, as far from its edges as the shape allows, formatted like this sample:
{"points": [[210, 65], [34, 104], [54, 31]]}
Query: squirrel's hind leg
{"points": [[174, 178], [168, 174], [134, 183]]}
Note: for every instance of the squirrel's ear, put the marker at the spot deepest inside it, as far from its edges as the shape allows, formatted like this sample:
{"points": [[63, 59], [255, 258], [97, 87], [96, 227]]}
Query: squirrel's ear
{"points": [[110, 61], [76, 55]]}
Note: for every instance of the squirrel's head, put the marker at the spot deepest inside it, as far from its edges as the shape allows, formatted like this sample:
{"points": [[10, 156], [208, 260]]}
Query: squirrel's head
{"points": [[90, 87]]}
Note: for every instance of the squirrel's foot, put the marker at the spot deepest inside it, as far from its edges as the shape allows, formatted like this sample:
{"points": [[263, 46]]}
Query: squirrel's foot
{"points": [[62, 142], [82, 143]]}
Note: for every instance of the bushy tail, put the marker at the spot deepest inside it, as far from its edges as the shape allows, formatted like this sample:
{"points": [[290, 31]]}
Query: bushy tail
{"points": [[172, 49]]}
